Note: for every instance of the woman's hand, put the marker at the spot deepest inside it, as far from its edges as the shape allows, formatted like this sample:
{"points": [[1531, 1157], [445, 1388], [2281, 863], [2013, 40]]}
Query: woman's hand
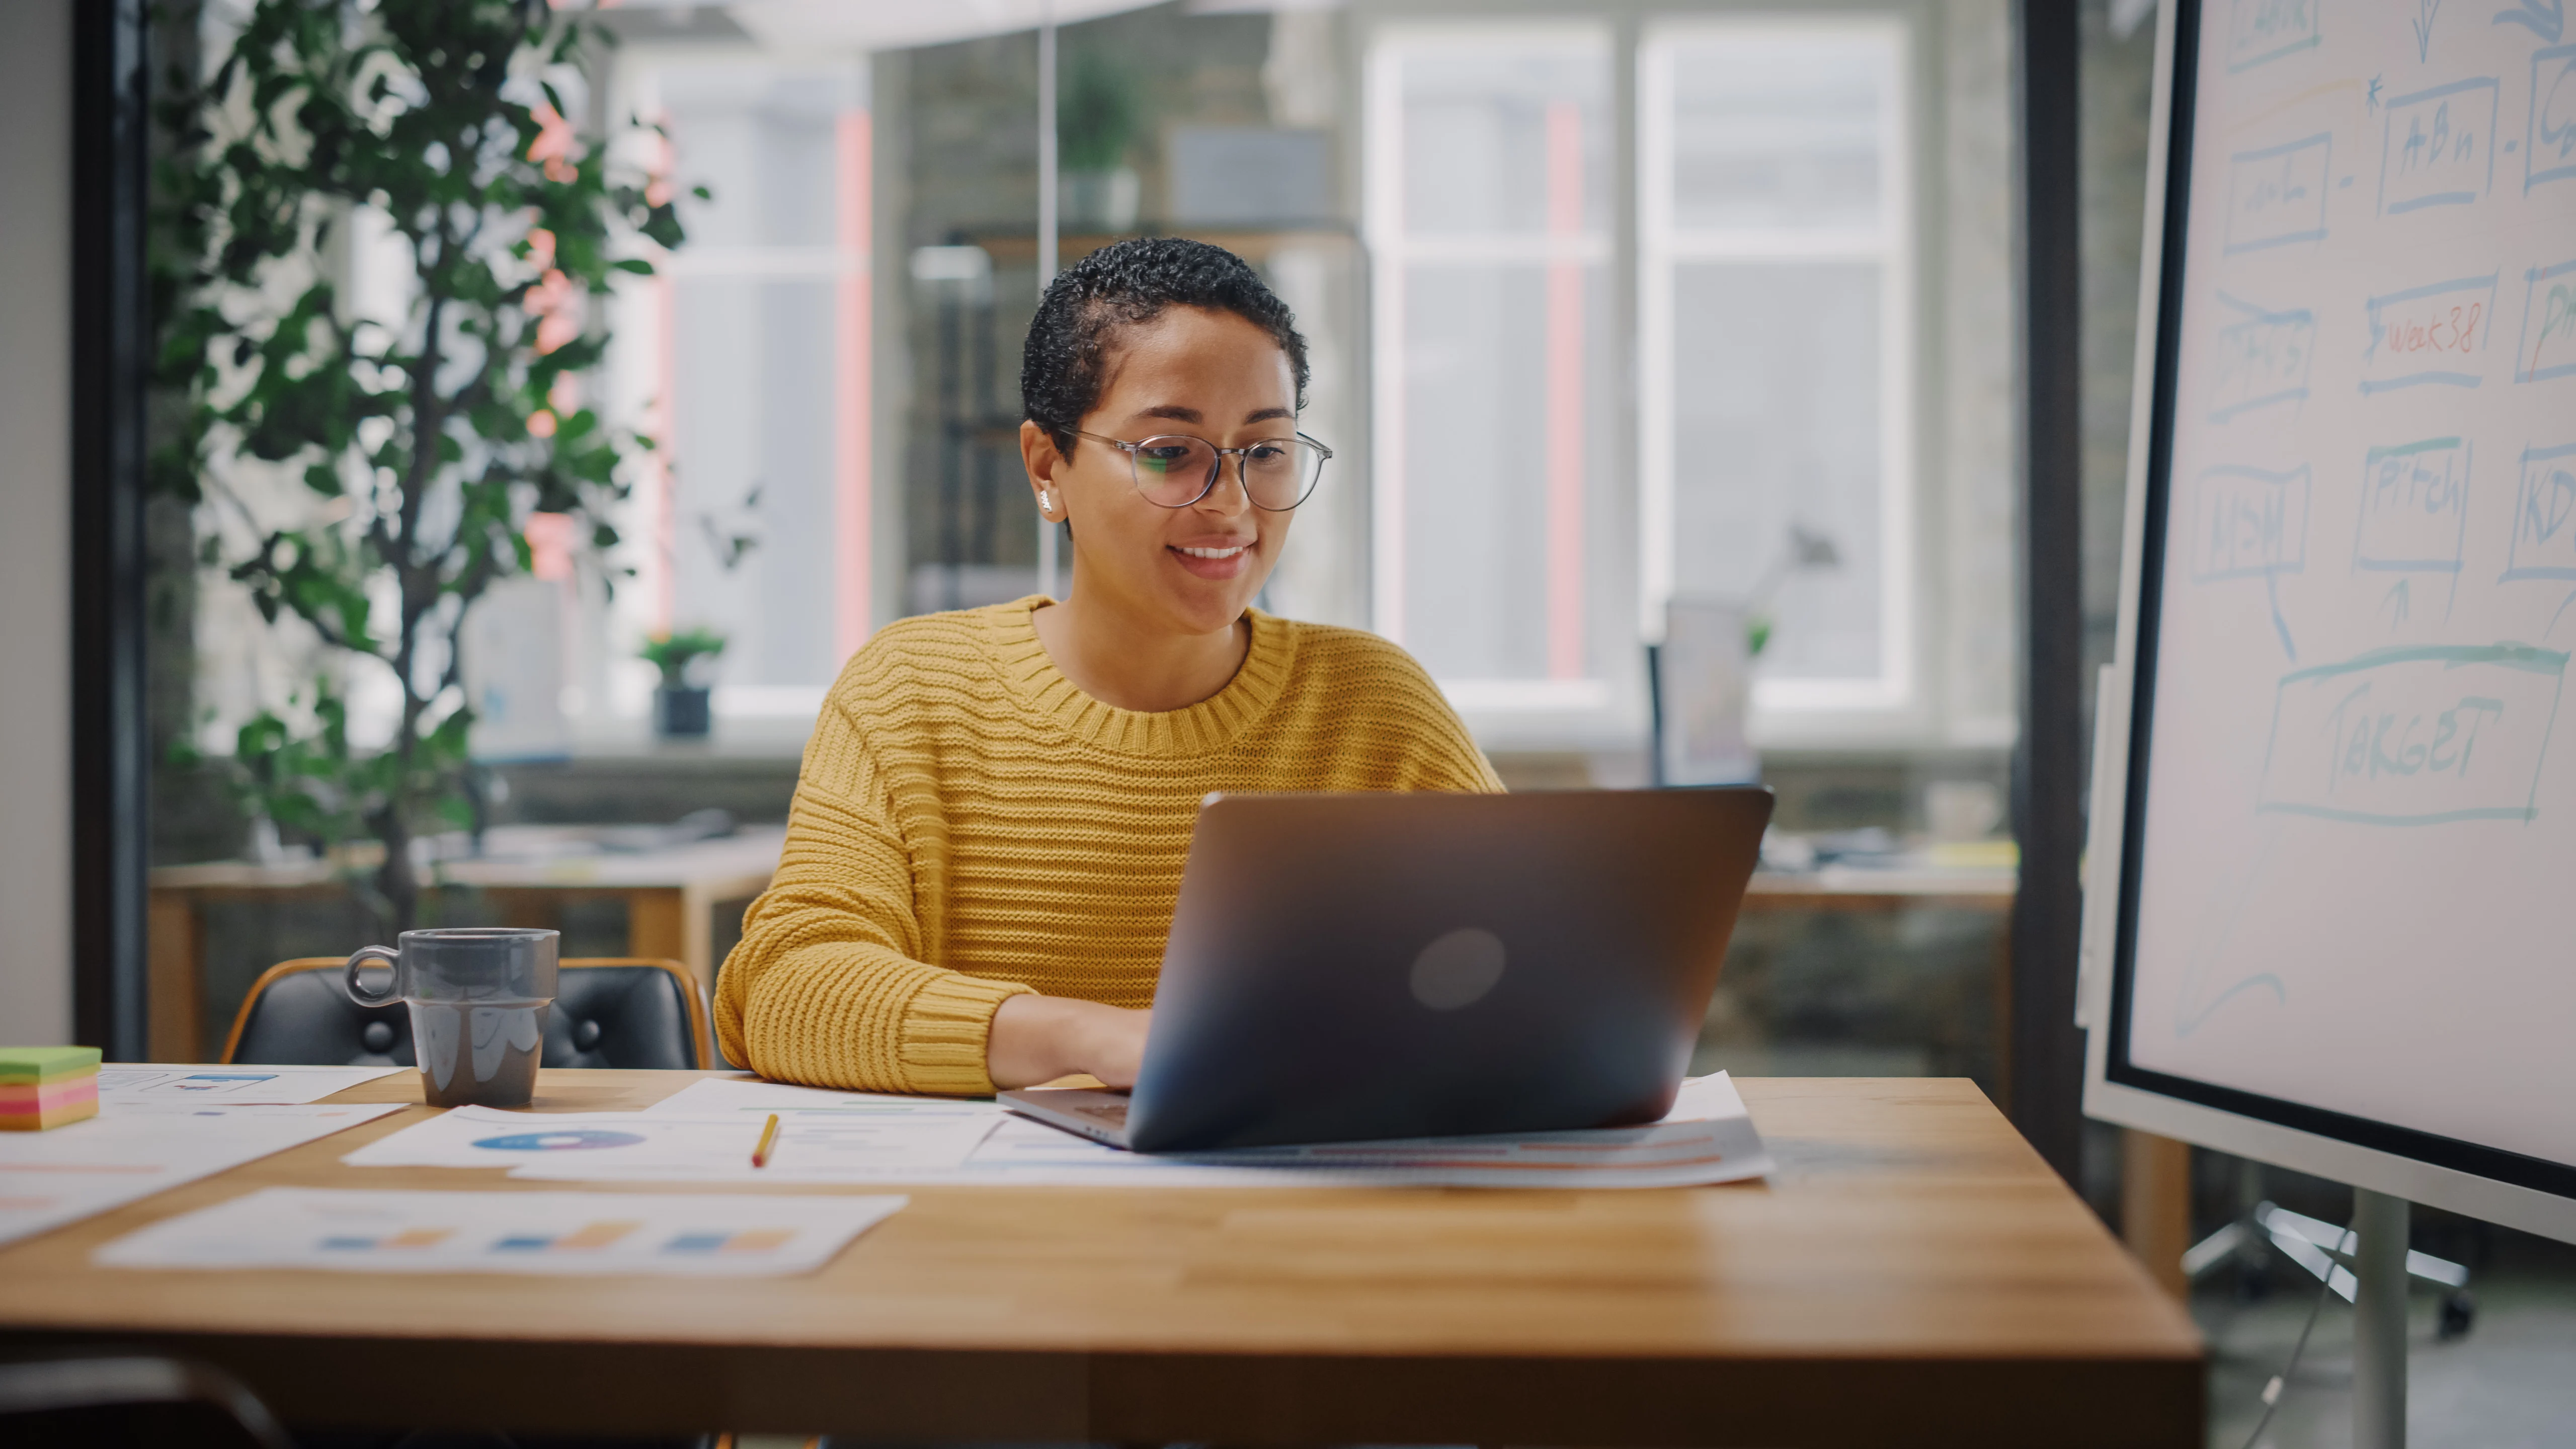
{"points": [[1040, 1038]]}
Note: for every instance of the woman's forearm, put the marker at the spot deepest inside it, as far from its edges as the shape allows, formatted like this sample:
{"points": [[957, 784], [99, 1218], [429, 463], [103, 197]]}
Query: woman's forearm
{"points": [[1037, 1039]]}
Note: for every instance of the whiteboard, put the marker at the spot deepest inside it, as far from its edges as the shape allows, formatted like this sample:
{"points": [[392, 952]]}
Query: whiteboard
{"points": [[2339, 789]]}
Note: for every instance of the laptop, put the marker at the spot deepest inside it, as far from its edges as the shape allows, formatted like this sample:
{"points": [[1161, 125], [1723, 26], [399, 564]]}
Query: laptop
{"points": [[1355, 967]]}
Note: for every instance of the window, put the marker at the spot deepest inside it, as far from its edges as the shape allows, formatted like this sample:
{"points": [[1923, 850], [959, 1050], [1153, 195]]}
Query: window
{"points": [[747, 357], [1490, 171], [1775, 327], [1555, 463]]}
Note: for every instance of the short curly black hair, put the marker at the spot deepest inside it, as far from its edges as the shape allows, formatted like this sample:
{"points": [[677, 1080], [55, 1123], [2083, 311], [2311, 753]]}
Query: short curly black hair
{"points": [[1066, 360]]}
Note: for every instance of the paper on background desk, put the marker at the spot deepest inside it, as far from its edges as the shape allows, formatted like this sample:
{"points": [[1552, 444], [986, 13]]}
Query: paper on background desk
{"points": [[637, 1146], [1706, 1138], [173, 1082], [132, 1150], [735, 1235]]}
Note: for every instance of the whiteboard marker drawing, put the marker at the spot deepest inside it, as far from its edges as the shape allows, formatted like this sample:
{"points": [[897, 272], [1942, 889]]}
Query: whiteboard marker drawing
{"points": [[2213, 933], [2253, 523], [2543, 545], [2425, 10], [2430, 335], [2544, 18], [2262, 360], [2262, 30], [2439, 147], [2277, 195], [2549, 133], [2414, 510], [2548, 346], [2429, 735]]}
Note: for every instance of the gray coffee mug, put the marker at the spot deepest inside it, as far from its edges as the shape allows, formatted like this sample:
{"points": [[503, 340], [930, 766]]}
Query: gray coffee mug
{"points": [[478, 997]]}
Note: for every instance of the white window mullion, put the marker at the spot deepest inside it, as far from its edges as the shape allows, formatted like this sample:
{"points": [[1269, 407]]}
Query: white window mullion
{"points": [[1655, 339], [1383, 140], [1486, 153]]}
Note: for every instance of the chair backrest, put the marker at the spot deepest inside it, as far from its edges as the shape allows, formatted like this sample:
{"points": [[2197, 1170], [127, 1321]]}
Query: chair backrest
{"points": [[88, 1399], [609, 1011]]}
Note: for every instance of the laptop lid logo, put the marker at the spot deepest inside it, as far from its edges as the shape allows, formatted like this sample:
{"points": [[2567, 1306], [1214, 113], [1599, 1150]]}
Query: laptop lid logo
{"points": [[1457, 969]]}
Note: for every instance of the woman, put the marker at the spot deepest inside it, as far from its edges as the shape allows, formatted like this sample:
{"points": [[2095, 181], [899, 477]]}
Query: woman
{"points": [[989, 830]]}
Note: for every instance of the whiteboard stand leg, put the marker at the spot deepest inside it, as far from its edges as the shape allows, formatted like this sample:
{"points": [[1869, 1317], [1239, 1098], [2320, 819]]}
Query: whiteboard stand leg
{"points": [[2379, 1322]]}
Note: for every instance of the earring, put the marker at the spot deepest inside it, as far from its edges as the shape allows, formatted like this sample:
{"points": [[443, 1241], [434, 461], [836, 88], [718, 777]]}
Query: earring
{"points": [[1044, 506]]}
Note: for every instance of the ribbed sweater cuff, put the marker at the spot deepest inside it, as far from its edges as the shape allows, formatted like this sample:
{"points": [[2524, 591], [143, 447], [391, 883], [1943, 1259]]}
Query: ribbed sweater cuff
{"points": [[946, 1029]]}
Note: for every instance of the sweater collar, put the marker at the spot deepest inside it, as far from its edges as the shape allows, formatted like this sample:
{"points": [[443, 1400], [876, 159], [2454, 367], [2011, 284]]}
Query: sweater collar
{"points": [[1202, 728]]}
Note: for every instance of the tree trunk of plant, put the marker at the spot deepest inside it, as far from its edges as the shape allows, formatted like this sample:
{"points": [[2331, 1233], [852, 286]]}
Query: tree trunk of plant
{"points": [[397, 881]]}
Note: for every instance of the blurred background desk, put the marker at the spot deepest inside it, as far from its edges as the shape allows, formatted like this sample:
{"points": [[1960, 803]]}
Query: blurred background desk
{"points": [[1852, 888], [1868, 970], [526, 876]]}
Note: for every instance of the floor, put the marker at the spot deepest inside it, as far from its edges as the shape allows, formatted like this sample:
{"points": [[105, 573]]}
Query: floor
{"points": [[2510, 1383]]}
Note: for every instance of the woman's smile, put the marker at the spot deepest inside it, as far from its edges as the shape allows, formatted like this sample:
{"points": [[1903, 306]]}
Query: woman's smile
{"points": [[1222, 557]]}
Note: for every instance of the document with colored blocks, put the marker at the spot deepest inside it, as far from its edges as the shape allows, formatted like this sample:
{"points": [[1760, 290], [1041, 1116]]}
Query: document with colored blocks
{"points": [[552, 1233]]}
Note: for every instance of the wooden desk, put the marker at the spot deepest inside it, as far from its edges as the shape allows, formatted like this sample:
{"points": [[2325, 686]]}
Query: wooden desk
{"points": [[671, 897], [1914, 1275]]}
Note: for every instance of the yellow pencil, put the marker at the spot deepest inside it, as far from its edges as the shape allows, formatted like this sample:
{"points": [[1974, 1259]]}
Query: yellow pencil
{"points": [[768, 1139]]}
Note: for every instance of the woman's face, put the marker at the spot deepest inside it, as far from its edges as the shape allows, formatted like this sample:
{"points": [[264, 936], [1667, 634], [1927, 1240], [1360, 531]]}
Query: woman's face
{"points": [[1191, 570]]}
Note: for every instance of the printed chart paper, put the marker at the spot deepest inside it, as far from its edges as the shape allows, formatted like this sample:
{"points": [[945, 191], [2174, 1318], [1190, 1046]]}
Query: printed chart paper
{"points": [[359, 1230], [133, 1150], [1706, 1138], [170, 1082], [633, 1146], [858, 1137], [710, 1096]]}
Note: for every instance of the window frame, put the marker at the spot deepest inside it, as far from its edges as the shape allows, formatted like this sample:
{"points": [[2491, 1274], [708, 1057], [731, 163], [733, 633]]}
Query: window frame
{"points": [[1911, 703], [642, 379], [1787, 708], [1586, 704]]}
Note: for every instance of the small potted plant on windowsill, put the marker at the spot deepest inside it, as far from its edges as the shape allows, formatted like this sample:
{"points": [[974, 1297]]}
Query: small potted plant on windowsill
{"points": [[680, 708]]}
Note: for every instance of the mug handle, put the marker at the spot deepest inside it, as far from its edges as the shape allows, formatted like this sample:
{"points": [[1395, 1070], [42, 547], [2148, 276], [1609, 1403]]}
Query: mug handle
{"points": [[359, 957]]}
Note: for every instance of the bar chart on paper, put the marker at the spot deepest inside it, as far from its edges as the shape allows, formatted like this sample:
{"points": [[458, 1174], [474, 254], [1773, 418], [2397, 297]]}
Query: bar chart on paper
{"points": [[553, 1233]]}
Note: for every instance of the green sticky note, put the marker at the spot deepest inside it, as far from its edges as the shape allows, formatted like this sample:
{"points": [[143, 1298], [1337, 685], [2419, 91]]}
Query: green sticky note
{"points": [[21, 1065]]}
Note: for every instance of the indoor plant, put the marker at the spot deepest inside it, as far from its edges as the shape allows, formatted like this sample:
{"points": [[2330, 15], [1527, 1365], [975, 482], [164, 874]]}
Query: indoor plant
{"points": [[366, 478], [680, 706]]}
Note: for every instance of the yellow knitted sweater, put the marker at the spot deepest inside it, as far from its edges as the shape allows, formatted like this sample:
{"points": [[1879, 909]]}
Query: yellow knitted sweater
{"points": [[970, 826]]}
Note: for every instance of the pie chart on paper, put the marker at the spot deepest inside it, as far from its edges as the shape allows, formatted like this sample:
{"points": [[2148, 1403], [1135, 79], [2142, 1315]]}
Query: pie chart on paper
{"points": [[574, 1140]]}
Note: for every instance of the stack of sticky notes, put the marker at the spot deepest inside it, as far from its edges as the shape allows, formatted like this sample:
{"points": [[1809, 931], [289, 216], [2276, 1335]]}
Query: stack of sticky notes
{"points": [[43, 1087]]}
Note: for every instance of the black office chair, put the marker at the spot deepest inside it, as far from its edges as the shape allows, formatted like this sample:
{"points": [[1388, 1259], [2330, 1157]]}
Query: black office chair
{"points": [[117, 1400], [610, 1011]]}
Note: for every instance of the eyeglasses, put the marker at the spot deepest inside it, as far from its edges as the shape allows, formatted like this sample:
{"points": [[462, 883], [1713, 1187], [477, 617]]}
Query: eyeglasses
{"points": [[1175, 470]]}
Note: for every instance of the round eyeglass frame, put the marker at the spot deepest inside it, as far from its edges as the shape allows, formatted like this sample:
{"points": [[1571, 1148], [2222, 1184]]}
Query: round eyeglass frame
{"points": [[1215, 470]]}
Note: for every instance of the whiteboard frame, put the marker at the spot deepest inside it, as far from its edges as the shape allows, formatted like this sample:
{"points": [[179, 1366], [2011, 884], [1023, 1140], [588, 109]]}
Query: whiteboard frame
{"points": [[2367, 1154]]}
